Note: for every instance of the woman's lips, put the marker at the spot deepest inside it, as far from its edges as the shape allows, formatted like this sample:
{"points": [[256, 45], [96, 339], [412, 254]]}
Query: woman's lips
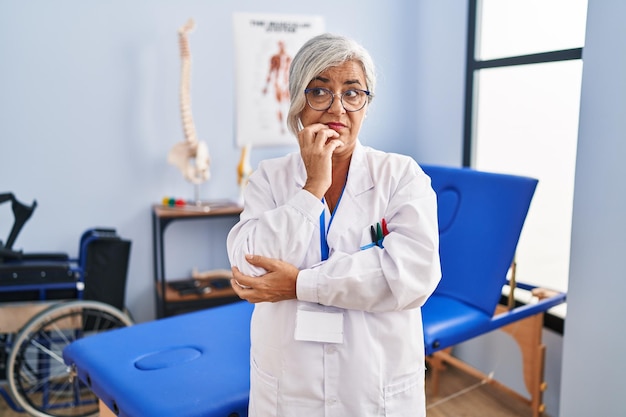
{"points": [[336, 126]]}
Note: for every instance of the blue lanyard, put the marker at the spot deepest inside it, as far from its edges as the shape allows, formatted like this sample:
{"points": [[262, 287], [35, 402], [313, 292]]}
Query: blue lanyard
{"points": [[323, 231]]}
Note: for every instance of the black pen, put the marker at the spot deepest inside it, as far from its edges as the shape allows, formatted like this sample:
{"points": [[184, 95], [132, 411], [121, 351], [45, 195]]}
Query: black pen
{"points": [[373, 234]]}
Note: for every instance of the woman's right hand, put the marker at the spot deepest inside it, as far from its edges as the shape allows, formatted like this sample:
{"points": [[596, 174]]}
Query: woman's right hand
{"points": [[317, 144], [277, 284]]}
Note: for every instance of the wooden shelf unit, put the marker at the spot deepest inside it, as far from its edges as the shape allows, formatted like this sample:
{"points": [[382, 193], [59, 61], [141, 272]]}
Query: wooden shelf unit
{"points": [[168, 300]]}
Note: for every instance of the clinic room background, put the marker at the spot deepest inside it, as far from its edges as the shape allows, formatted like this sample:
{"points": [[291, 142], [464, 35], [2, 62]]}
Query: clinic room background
{"points": [[89, 110]]}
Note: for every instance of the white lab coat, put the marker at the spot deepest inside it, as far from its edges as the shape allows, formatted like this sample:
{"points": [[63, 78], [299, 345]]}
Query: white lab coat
{"points": [[378, 370]]}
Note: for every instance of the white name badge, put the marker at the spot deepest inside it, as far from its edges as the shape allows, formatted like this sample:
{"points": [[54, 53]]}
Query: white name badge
{"points": [[319, 326]]}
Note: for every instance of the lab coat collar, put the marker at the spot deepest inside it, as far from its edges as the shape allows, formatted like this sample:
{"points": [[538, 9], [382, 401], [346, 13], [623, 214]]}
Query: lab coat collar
{"points": [[352, 207], [359, 175]]}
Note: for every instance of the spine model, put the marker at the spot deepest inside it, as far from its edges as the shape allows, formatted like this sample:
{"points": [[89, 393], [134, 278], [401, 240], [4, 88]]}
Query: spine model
{"points": [[190, 156]]}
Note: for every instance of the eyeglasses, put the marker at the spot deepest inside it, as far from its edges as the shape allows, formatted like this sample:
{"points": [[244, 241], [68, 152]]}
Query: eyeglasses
{"points": [[321, 99]]}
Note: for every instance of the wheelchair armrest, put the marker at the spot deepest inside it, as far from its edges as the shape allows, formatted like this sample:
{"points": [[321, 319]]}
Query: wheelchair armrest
{"points": [[9, 254], [62, 257]]}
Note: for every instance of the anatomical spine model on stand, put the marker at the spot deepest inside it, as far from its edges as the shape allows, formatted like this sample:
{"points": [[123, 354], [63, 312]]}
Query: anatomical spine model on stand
{"points": [[191, 156]]}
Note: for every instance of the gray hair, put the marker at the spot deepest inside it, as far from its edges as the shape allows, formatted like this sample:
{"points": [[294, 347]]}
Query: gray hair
{"points": [[317, 55]]}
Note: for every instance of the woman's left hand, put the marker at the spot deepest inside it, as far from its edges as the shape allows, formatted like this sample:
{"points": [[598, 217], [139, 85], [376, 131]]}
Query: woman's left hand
{"points": [[278, 284]]}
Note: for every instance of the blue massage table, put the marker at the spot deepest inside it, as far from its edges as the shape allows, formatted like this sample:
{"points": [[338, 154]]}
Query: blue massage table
{"points": [[198, 364], [191, 365], [481, 216]]}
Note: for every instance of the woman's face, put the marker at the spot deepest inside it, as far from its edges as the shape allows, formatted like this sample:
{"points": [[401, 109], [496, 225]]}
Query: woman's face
{"points": [[346, 76]]}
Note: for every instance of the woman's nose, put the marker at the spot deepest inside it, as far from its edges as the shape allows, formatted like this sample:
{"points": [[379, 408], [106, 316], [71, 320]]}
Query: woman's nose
{"points": [[336, 106]]}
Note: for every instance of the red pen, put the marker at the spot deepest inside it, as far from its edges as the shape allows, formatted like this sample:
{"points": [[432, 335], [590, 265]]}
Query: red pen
{"points": [[385, 231]]}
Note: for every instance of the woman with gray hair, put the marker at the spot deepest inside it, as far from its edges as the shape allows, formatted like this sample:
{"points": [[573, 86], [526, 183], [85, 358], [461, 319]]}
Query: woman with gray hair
{"points": [[337, 246]]}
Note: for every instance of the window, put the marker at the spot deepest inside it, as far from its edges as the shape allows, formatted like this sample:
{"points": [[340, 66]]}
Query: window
{"points": [[524, 73]]}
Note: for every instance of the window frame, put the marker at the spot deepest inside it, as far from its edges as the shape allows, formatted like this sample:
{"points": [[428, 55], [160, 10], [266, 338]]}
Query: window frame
{"points": [[473, 65]]}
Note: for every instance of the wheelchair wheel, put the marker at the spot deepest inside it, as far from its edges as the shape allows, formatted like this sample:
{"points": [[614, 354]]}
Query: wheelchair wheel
{"points": [[38, 378]]}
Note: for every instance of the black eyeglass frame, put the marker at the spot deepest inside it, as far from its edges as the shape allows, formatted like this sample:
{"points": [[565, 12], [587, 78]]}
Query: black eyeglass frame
{"points": [[332, 99]]}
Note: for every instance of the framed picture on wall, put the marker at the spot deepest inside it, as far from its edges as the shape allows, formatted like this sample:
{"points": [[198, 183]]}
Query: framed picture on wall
{"points": [[264, 47]]}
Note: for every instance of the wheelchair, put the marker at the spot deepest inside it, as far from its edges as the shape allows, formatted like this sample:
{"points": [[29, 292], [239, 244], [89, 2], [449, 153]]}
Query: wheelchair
{"points": [[47, 301]]}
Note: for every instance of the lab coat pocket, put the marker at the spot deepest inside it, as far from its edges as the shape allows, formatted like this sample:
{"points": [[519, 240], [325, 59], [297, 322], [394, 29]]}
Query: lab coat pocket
{"points": [[367, 240], [263, 392], [405, 397]]}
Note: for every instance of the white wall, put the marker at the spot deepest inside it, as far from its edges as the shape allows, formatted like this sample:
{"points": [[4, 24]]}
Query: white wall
{"points": [[89, 109], [595, 341]]}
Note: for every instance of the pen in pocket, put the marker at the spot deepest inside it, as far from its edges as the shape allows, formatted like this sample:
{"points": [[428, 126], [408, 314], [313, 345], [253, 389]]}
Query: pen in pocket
{"points": [[377, 234]]}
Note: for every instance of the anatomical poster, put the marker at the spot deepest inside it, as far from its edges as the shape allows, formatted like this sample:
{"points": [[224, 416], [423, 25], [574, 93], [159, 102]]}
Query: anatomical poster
{"points": [[264, 47]]}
